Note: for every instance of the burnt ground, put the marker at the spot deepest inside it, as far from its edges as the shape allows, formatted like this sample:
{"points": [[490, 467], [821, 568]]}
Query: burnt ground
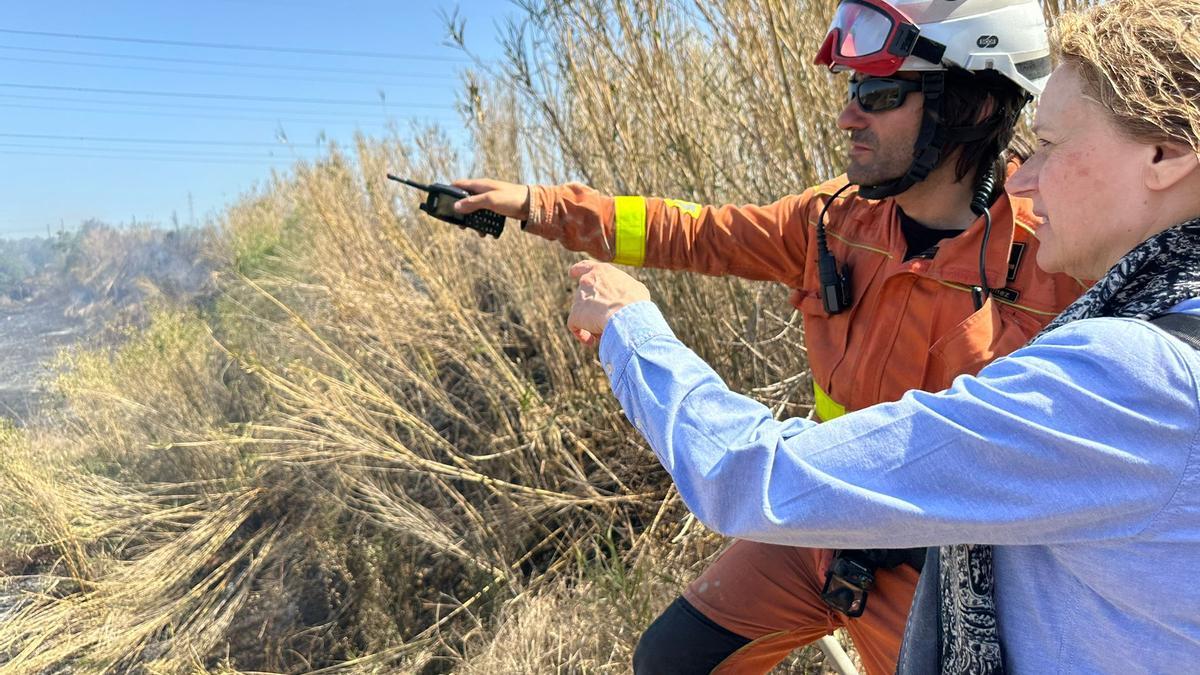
{"points": [[31, 333]]}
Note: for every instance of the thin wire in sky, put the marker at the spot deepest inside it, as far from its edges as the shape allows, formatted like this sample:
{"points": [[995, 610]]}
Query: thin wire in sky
{"points": [[234, 64], [219, 96], [170, 141], [240, 47], [281, 162], [274, 77], [383, 111], [366, 120], [284, 152]]}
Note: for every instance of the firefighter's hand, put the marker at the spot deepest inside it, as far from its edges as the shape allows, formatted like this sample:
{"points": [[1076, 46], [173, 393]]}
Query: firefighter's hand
{"points": [[603, 291], [507, 199]]}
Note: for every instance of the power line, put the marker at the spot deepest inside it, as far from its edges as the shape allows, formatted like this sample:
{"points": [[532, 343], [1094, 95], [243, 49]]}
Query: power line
{"points": [[210, 73], [274, 120], [163, 141], [156, 105], [235, 64], [174, 152], [135, 158], [241, 47], [227, 97]]}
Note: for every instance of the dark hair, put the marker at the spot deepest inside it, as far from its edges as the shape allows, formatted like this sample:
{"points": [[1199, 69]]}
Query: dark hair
{"points": [[966, 98]]}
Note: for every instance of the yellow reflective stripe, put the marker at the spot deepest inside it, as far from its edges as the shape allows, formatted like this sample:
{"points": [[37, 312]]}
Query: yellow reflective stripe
{"points": [[690, 208], [827, 408], [630, 231]]}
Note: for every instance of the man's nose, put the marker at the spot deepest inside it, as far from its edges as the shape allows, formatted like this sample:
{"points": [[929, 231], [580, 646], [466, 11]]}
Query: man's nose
{"points": [[852, 116]]}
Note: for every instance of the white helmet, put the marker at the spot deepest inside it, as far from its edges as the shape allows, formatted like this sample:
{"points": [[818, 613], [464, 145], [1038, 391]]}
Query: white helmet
{"points": [[879, 37]]}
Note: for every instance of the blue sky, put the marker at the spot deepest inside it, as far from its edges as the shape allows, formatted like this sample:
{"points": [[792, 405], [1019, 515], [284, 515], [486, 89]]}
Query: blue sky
{"points": [[110, 129]]}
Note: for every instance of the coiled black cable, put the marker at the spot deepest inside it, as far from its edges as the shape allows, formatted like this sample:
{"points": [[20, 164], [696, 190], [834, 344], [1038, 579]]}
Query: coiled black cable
{"points": [[979, 206]]}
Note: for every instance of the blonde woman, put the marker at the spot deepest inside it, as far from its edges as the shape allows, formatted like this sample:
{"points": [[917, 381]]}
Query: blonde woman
{"points": [[1073, 465]]}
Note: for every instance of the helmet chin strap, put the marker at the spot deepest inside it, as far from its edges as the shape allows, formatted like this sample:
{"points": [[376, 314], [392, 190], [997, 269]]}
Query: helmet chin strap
{"points": [[931, 140]]}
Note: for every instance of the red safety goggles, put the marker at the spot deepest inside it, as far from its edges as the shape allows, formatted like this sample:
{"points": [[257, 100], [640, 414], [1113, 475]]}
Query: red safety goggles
{"points": [[874, 38]]}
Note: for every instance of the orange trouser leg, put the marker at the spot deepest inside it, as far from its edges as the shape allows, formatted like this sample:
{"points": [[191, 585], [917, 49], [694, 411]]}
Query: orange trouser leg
{"points": [[772, 595]]}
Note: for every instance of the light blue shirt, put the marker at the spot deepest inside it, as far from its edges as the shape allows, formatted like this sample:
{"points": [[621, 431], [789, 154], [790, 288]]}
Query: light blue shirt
{"points": [[1076, 456]]}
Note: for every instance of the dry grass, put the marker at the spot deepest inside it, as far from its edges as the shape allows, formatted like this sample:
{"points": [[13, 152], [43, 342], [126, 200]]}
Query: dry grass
{"points": [[380, 450]]}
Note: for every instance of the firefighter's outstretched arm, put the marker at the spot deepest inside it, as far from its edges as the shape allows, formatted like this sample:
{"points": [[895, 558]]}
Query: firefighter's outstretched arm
{"points": [[753, 242], [578, 223]]}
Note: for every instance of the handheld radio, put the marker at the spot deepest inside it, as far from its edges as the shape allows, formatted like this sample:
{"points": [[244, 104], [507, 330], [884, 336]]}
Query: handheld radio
{"points": [[439, 203]]}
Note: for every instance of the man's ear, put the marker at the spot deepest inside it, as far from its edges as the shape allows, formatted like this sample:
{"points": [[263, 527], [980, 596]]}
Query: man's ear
{"points": [[1171, 163]]}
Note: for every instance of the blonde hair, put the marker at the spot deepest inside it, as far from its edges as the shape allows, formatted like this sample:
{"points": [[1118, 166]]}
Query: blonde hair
{"points": [[1140, 59]]}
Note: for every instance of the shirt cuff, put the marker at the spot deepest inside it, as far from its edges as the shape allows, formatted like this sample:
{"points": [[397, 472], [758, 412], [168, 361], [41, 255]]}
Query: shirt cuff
{"points": [[628, 329], [540, 211]]}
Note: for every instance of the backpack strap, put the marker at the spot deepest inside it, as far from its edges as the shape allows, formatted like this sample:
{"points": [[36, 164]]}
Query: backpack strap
{"points": [[1185, 327]]}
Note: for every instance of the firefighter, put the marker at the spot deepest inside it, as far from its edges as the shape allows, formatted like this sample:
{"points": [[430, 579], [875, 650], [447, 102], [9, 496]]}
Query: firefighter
{"points": [[912, 268]]}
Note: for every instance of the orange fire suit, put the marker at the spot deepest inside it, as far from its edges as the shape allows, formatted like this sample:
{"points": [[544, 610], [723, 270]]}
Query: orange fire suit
{"points": [[912, 325]]}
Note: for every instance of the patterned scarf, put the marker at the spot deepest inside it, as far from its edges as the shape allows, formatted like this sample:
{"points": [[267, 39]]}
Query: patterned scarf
{"points": [[1155, 276]]}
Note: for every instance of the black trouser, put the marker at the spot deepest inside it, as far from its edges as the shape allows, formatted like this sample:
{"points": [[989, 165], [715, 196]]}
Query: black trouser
{"points": [[682, 641]]}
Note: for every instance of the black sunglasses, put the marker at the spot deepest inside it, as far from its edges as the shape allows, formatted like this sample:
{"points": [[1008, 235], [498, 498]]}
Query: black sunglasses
{"points": [[877, 94]]}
